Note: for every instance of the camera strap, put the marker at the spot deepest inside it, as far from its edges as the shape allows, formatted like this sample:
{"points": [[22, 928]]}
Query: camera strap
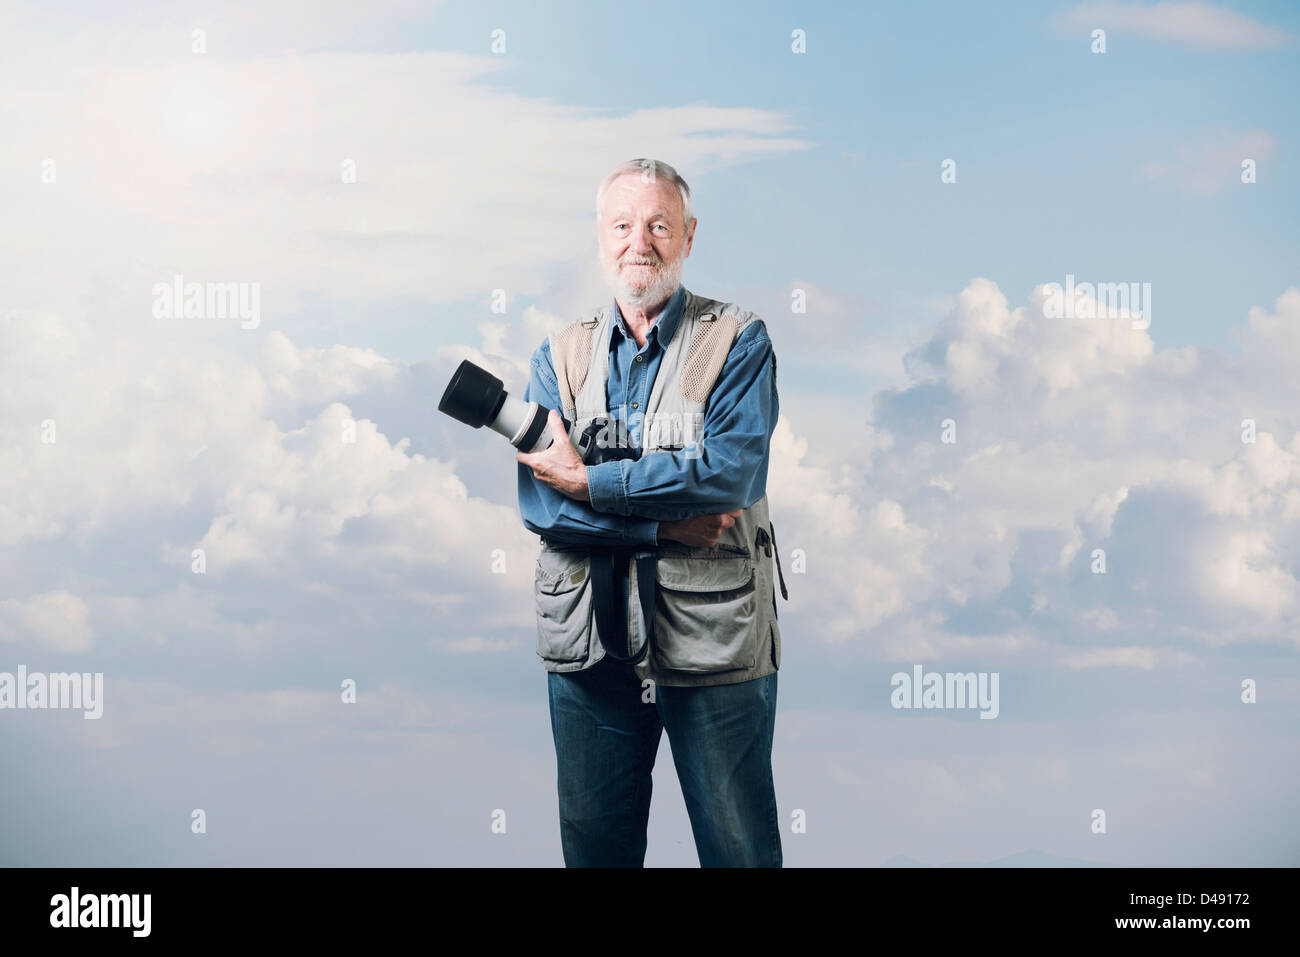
{"points": [[609, 568]]}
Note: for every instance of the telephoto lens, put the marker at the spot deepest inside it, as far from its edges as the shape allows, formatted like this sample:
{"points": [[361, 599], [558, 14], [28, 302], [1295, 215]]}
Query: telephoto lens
{"points": [[478, 398]]}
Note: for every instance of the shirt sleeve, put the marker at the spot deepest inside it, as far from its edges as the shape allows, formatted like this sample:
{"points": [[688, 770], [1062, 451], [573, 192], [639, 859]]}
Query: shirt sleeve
{"points": [[726, 469], [547, 512]]}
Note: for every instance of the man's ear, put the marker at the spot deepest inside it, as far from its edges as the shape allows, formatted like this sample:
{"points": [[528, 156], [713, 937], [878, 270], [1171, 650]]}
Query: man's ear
{"points": [[690, 237]]}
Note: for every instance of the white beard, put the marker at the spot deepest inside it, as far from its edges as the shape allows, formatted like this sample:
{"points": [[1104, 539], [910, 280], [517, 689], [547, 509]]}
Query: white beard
{"points": [[640, 292]]}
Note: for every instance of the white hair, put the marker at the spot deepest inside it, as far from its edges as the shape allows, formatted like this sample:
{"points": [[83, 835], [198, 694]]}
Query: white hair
{"points": [[650, 169]]}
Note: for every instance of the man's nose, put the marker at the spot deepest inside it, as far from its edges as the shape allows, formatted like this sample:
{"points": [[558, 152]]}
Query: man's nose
{"points": [[641, 244]]}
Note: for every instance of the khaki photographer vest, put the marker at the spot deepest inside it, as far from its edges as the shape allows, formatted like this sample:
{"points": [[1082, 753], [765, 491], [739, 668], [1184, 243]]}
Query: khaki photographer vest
{"points": [[715, 608]]}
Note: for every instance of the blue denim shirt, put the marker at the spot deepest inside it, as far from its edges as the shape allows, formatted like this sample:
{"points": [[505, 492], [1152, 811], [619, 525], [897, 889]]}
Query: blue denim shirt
{"points": [[629, 498]]}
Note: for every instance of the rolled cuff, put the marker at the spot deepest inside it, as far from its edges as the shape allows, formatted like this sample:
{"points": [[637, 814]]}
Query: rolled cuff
{"points": [[643, 531], [607, 487]]}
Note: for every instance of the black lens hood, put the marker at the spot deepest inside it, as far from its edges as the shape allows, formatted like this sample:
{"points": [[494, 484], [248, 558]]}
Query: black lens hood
{"points": [[474, 395]]}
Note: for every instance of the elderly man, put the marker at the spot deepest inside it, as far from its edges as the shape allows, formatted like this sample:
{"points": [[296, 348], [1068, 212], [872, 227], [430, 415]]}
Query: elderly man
{"points": [[674, 512]]}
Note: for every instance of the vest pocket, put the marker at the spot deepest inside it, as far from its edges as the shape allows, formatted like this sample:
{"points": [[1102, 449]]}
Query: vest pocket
{"points": [[706, 613], [562, 590]]}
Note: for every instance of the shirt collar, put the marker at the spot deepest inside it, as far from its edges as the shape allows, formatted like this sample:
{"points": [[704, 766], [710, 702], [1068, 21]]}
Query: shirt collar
{"points": [[662, 328]]}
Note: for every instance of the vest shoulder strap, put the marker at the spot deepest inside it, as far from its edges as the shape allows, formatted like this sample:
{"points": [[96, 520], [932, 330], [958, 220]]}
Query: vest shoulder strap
{"points": [[713, 339], [571, 358]]}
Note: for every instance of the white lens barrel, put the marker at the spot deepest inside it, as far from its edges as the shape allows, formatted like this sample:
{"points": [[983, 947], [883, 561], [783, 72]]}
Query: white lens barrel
{"points": [[514, 420]]}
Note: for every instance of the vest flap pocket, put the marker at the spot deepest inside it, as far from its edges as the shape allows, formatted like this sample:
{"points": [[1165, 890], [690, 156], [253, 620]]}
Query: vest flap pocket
{"points": [[562, 590], [561, 573], [704, 573], [706, 613]]}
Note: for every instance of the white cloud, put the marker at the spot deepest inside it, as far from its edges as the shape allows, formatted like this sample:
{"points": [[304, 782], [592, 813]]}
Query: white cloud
{"points": [[318, 375], [222, 169], [57, 620], [1215, 162], [1195, 24], [983, 342], [1113, 658], [1073, 436]]}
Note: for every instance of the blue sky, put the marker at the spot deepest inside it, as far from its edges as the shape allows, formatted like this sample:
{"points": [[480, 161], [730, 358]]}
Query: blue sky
{"points": [[133, 159]]}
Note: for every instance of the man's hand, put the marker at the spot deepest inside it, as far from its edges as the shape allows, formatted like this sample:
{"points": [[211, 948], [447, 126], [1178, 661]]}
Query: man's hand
{"points": [[702, 531], [559, 466]]}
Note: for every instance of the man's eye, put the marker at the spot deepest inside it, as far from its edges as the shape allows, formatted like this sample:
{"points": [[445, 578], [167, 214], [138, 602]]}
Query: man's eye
{"points": [[661, 226]]}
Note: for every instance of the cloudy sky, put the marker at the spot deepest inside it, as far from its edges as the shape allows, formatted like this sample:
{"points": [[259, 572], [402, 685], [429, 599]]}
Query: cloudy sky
{"points": [[381, 171]]}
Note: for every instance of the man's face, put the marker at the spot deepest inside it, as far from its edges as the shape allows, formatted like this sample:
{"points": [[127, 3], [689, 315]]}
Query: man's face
{"points": [[643, 239]]}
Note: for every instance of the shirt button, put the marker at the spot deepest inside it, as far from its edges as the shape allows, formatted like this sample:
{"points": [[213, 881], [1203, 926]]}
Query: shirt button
{"points": [[638, 358], [634, 405]]}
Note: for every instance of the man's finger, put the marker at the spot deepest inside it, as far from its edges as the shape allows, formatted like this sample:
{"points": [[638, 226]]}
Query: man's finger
{"points": [[557, 426]]}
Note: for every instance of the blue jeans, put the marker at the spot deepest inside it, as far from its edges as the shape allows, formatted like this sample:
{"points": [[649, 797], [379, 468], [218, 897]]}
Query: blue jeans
{"points": [[606, 738]]}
